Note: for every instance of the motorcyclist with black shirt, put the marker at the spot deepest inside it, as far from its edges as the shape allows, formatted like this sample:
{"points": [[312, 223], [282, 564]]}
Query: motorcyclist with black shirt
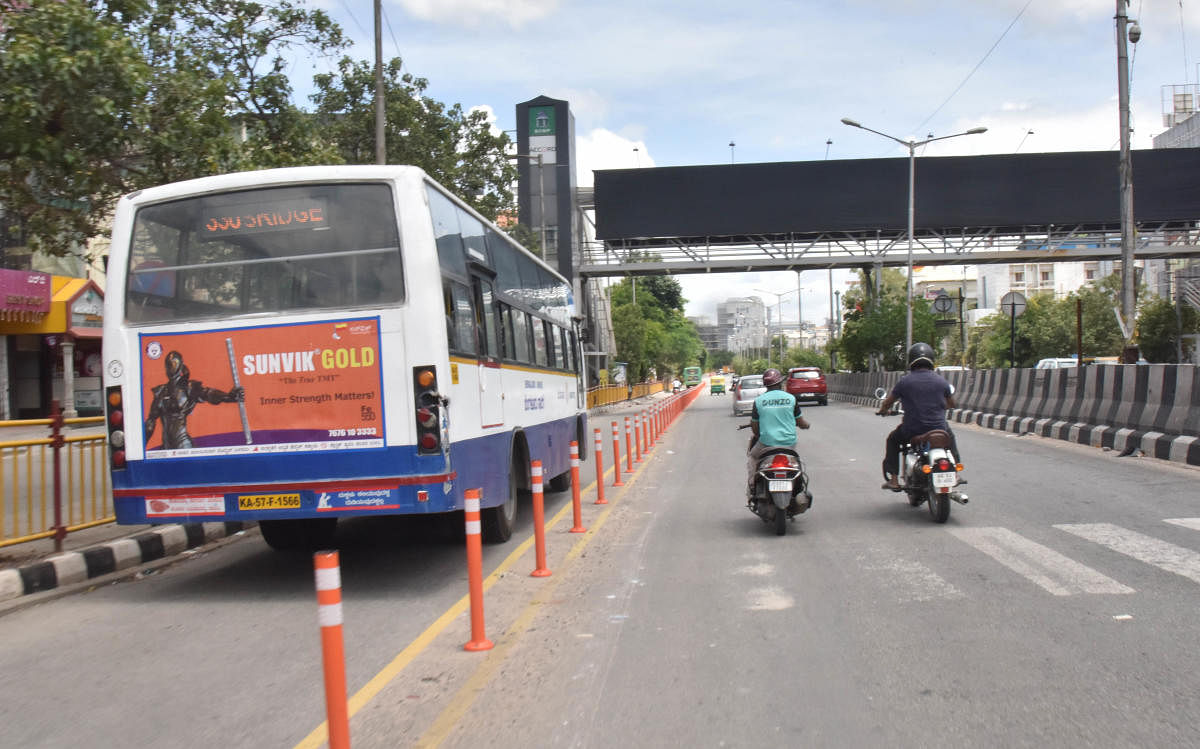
{"points": [[925, 396]]}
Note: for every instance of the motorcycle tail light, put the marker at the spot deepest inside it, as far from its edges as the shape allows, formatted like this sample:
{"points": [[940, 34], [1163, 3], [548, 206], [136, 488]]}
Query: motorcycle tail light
{"points": [[780, 461], [943, 465]]}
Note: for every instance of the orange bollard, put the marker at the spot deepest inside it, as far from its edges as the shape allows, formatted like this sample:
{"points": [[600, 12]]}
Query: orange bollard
{"points": [[539, 520], [575, 500], [600, 500], [648, 428], [479, 640], [333, 655], [617, 456], [637, 438], [628, 449]]}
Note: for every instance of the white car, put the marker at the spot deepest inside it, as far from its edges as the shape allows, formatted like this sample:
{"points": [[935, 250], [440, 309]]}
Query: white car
{"points": [[1056, 363], [748, 388]]}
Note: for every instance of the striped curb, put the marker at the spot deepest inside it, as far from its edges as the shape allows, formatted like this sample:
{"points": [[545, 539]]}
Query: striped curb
{"points": [[112, 556], [1173, 447]]}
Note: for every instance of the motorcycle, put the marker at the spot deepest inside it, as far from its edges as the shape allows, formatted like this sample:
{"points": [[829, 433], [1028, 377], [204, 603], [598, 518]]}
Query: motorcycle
{"points": [[780, 487], [928, 471]]}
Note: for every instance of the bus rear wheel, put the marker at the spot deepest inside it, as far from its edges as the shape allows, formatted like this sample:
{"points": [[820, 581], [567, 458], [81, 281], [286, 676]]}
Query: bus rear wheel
{"points": [[306, 534], [499, 521]]}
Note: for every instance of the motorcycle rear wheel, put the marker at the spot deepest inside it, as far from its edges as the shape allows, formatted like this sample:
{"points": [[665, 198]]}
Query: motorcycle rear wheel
{"points": [[939, 506], [780, 522]]}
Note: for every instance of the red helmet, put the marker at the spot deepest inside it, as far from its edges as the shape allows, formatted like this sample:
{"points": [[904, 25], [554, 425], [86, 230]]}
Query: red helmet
{"points": [[772, 377]]}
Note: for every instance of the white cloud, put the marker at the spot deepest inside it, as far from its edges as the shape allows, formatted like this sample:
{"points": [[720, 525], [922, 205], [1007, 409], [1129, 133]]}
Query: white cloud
{"points": [[604, 149], [477, 13]]}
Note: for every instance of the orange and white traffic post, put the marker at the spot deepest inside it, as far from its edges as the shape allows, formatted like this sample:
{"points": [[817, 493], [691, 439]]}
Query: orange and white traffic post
{"points": [[576, 507], [333, 655], [616, 434], [479, 640], [600, 500], [628, 448], [539, 520], [637, 438]]}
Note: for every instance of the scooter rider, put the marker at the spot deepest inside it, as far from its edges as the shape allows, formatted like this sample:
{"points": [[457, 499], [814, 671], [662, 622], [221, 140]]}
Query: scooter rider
{"points": [[925, 396], [773, 420]]}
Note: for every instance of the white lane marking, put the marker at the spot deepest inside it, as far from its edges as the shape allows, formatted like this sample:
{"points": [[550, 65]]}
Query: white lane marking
{"points": [[1047, 568], [913, 581], [769, 599], [758, 570], [1193, 523], [1165, 556]]}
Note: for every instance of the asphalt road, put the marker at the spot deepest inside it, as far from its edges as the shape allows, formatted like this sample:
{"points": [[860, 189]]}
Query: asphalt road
{"points": [[1058, 608]]}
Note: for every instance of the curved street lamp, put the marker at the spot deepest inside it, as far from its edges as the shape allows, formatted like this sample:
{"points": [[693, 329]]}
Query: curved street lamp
{"points": [[912, 146]]}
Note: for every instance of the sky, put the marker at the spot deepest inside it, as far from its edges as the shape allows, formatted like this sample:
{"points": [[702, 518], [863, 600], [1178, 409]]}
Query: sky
{"points": [[674, 83]]}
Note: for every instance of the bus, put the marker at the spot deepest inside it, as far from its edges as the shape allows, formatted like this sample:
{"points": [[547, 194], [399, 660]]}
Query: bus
{"points": [[691, 376], [297, 346]]}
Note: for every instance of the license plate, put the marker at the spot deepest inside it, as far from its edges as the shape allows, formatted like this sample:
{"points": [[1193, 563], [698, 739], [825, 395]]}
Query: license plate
{"points": [[779, 486], [945, 478], [269, 502]]}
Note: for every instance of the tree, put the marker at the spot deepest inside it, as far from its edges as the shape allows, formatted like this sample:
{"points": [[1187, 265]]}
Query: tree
{"points": [[1161, 327], [873, 330], [653, 332], [456, 148], [71, 83], [101, 98]]}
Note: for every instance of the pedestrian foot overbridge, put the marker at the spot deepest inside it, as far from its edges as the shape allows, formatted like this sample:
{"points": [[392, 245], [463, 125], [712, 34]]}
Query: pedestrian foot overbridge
{"points": [[1046, 207]]}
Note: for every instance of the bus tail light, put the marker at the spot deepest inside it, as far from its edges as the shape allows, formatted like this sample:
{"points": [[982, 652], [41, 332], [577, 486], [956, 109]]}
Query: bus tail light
{"points": [[428, 404], [114, 407]]}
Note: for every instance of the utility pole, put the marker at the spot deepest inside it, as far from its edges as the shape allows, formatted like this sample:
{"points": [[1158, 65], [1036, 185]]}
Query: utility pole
{"points": [[1128, 299], [380, 146]]}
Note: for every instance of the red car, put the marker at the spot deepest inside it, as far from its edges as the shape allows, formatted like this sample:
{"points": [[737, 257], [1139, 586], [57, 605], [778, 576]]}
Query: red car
{"points": [[807, 383]]}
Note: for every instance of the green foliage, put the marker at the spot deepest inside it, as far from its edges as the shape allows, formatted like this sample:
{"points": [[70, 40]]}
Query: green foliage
{"points": [[102, 97], [878, 333], [1048, 328], [1160, 328], [653, 333], [71, 83], [456, 148]]}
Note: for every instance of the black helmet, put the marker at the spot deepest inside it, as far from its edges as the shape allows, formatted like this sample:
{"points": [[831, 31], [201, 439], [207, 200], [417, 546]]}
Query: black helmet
{"points": [[920, 352], [772, 377]]}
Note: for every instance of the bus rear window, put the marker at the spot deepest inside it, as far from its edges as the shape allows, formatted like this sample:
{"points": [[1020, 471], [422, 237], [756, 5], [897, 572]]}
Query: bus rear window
{"points": [[265, 250]]}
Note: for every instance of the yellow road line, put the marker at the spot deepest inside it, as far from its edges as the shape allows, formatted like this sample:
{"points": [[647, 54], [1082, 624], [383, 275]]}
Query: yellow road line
{"points": [[372, 688]]}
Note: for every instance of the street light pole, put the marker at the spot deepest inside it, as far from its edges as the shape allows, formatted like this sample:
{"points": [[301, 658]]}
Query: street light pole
{"points": [[778, 303], [912, 146]]}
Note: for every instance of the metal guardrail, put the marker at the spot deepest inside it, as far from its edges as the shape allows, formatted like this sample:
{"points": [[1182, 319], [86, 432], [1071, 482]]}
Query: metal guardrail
{"points": [[51, 486], [604, 395]]}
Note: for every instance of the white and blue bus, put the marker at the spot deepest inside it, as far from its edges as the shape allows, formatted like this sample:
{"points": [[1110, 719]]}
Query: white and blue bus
{"points": [[296, 346]]}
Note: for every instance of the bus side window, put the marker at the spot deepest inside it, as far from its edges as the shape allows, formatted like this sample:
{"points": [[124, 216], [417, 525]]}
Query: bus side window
{"points": [[568, 351], [520, 336], [540, 352], [485, 318], [460, 318], [560, 351]]}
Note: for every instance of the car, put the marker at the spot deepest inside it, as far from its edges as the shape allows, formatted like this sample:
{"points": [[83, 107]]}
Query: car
{"points": [[1056, 363], [748, 388], [807, 384]]}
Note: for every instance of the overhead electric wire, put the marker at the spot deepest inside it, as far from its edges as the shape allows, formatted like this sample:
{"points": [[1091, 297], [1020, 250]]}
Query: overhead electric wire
{"points": [[953, 93]]}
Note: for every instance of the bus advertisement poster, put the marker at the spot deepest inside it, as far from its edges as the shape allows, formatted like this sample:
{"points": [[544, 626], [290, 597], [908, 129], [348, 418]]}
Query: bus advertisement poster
{"points": [[275, 388]]}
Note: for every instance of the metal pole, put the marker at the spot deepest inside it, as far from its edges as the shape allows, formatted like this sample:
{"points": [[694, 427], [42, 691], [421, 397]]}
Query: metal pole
{"points": [[380, 146], [542, 204], [912, 169], [1128, 311]]}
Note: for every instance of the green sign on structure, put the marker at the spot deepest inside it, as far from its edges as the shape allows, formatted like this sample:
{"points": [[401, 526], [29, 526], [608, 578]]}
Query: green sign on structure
{"points": [[541, 120]]}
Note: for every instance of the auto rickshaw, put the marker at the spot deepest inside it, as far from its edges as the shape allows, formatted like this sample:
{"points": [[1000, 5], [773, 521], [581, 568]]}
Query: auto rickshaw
{"points": [[716, 384]]}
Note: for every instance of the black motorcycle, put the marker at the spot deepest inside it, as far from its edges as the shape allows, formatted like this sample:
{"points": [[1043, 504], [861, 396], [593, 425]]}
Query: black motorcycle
{"points": [[928, 471], [780, 487]]}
